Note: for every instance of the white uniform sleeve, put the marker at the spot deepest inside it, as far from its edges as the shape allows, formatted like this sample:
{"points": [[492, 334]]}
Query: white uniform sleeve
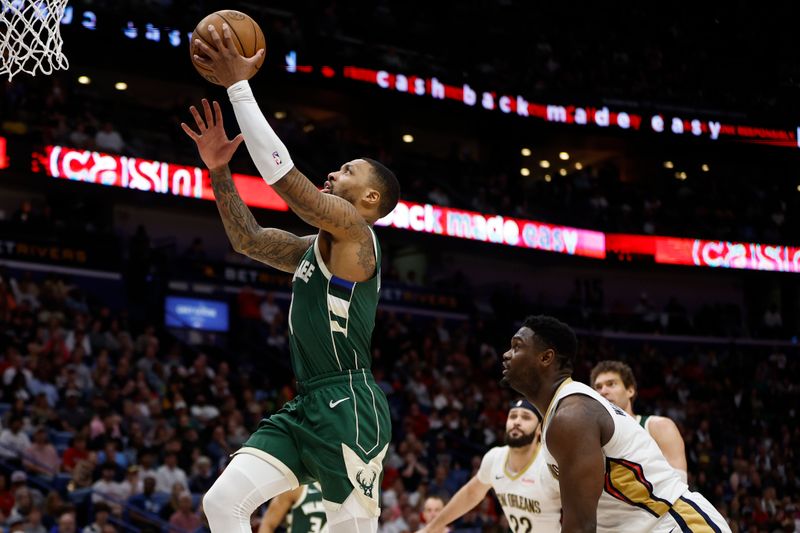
{"points": [[487, 464], [266, 150]]}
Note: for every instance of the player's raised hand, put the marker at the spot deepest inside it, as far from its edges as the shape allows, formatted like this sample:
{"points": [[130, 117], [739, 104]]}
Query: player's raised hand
{"points": [[216, 150], [224, 60]]}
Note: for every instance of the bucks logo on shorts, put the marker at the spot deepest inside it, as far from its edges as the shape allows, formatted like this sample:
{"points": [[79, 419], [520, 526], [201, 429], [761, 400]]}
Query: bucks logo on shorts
{"points": [[366, 486], [365, 477]]}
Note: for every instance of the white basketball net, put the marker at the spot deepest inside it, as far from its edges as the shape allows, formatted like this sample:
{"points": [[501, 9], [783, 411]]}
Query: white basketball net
{"points": [[30, 37]]}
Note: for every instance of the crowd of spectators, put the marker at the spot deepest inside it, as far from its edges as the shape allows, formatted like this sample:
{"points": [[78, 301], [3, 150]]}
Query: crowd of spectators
{"points": [[110, 420]]}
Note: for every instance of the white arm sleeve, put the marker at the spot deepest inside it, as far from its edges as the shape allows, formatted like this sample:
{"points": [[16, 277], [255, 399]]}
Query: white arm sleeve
{"points": [[267, 151]]}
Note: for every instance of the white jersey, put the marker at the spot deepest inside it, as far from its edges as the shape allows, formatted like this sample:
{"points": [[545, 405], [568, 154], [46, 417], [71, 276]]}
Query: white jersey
{"points": [[640, 485], [530, 499]]}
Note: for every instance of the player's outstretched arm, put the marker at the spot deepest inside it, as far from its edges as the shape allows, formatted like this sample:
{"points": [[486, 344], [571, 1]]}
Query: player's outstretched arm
{"points": [[466, 499], [277, 248], [668, 437], [574, 440], [277, 510], [324, 211]]}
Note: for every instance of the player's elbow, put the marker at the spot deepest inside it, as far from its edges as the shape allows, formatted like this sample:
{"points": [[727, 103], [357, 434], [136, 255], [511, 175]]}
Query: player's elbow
{"points": [[243, 245]]}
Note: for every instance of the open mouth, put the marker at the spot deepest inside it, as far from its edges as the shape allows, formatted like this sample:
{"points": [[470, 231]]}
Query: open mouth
{"points": [[327, 187]]}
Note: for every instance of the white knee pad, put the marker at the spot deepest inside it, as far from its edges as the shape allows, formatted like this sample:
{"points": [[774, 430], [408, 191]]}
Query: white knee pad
{"points": [[246, 483], [351, 517]]}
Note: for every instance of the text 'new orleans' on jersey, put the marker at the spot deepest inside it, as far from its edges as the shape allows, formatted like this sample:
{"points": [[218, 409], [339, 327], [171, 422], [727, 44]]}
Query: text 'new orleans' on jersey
{"points": [[530, 498], [331, 319]]}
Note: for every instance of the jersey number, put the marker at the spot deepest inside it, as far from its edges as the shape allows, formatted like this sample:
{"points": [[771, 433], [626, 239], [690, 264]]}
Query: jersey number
{"points": [[316, 525], [520, 524]]}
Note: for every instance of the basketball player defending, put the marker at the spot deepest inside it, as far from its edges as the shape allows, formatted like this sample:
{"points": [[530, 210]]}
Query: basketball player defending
{"points": [[611, 473], [518, 474], [615, 382], [337, 429], [302, 508]]}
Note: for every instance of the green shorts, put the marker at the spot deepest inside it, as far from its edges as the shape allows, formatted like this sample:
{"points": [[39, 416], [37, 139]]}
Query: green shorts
{"points": [[336, 431]]}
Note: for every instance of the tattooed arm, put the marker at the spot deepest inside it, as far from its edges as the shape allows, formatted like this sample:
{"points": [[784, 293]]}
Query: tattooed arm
{"points": [[335, 215], [277, 248]]}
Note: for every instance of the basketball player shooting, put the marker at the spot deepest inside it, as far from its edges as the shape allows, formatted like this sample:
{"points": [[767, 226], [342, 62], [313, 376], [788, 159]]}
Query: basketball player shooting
{"points": [[611, 473], [336, 431]]}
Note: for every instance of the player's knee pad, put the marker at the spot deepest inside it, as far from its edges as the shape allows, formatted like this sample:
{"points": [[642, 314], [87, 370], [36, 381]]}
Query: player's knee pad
{"points": [[245, 484], [351, 517]]}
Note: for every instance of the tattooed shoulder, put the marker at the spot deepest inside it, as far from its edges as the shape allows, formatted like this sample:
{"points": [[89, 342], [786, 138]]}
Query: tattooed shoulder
{"points": [[366, 256]]}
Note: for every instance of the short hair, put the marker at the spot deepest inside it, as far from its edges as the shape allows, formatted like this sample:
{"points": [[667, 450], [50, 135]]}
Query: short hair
{"points": [[387, 183], [555, 335], [618, 367], [434, 497]]}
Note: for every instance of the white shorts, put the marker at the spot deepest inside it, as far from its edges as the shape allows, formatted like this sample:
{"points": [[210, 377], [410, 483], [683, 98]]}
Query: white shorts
{"points": [[692, 513]]}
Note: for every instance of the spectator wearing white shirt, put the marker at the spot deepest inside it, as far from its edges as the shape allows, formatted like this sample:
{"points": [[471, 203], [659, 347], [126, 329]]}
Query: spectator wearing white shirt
{"points": [[107, 138], [170, 473], [13, 440], [78, 337], [108, 490], [16, 365]]}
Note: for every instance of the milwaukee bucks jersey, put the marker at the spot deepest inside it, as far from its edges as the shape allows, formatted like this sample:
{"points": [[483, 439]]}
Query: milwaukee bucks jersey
{"points": [[308, 513], [331, 319]]}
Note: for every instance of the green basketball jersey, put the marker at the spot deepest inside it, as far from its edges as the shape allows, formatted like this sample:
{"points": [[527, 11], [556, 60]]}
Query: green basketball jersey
{"points": [[331, 319], [308, 514]]}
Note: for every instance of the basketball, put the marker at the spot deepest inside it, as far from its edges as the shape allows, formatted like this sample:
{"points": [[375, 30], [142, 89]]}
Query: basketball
{"points": [[246, 34]]}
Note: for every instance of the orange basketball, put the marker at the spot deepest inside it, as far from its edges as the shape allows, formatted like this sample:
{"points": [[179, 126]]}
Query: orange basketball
{"points": [[246, 34]]}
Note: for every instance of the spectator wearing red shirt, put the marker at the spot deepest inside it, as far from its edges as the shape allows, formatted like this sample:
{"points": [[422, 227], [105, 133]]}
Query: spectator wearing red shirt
{"points": [[6, 498], [75, 453]]}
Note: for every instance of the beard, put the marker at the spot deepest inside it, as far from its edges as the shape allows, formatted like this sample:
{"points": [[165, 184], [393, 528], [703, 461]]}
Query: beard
{"points": [[519, 442]]}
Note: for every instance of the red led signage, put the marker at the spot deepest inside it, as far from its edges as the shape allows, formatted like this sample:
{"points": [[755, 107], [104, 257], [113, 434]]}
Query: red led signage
{"points": [[438, 220], [149, 176], [3, 153], [715, 254], [576, 115], [193, 182]]}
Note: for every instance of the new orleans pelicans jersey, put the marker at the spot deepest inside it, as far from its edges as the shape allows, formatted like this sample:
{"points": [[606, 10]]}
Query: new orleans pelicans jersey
{"points": [[530, 499], [642, 491], [331, 319], [308, 513]]}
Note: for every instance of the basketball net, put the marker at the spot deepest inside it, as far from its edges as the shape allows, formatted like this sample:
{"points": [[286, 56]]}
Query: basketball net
{"points": [[30, 37]]}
